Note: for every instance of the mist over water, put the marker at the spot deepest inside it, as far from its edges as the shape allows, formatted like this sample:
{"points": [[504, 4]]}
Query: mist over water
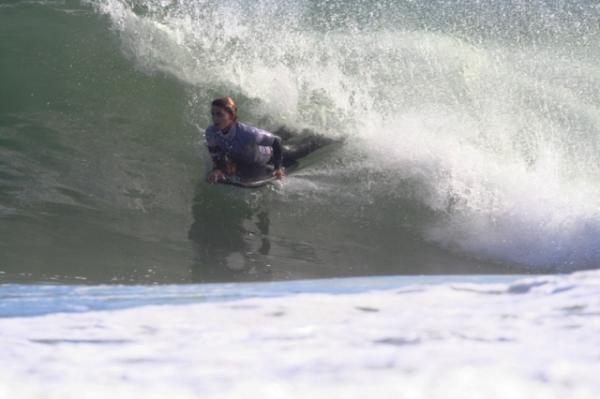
{"points": [[471, 137]]}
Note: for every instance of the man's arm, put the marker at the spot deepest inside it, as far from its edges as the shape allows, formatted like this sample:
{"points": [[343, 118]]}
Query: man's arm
{"points": [[277, 152], [269, 139], [217, 156]]}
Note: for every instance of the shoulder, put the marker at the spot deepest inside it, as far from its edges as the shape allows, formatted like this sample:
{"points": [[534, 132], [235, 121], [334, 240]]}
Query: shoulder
{"points": [[246, 132], [244, 127], [251, 130], [211, 130], [211, 136]]}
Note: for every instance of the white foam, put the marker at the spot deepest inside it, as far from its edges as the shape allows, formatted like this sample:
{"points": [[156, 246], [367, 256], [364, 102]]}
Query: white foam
{"points": [[534, 338]]}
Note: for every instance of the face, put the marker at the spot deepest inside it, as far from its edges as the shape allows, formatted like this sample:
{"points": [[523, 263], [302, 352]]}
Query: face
{"points": [[221, 118]]}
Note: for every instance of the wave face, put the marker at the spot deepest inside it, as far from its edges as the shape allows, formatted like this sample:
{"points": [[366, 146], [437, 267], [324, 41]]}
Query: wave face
{"points": [[471, 138]]}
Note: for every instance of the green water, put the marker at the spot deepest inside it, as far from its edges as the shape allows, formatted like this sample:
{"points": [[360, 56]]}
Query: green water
{"points": [[471, 139]]}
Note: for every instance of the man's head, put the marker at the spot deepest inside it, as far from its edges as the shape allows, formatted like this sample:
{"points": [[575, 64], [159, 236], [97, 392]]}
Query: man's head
{"points": [[224, 112]]}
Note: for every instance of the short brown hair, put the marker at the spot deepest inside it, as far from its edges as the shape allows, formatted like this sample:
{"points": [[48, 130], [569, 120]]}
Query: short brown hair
{"points": [[227, 104]]}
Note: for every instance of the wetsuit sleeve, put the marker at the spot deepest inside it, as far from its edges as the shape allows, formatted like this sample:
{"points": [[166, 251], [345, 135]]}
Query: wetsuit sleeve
{"points": [[277, 153], [270, 140], [216, 153], [262, 137]]}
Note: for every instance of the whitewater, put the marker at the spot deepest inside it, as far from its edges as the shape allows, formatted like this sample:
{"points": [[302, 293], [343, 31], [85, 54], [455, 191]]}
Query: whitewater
{"points": [[412, 337]]}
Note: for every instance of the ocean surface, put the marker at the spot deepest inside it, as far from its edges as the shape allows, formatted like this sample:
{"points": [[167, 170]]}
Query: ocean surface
{"points": [[448, 248]]}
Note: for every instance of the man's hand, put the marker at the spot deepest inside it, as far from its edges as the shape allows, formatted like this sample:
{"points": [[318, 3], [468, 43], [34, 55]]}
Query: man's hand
{"points": [[279, 173], [216, 176]]}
